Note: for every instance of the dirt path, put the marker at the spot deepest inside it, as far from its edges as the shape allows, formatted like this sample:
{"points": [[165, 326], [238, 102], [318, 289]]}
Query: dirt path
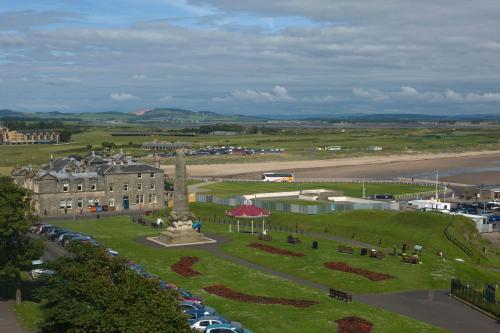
{"points": [[8, 319]]}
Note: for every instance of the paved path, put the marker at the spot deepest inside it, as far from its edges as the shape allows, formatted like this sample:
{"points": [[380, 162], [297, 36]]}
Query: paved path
{"points": [[434, 307], [8, 319]]}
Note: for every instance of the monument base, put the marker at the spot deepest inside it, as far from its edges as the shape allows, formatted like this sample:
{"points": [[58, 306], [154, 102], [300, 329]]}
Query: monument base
{"points": [[180, 236]]}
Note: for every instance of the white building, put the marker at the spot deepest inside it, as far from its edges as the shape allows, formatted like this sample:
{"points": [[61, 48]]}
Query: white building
{"points": [[430, 205]]}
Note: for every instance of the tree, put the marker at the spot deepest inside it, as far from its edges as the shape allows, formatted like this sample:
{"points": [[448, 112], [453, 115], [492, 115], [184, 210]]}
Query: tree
{"points": [[94, 292], [17, 250]]}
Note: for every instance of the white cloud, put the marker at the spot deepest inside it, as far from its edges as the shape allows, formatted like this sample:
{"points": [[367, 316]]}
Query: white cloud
{"points": [[139, 77], [373, 94], [123, 97], [166, 99], [278, 94], [486, 97], [60, 80], [320, 99]]}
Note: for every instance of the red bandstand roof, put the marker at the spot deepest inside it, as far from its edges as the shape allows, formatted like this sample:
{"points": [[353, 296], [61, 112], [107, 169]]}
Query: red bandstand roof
{"points": [[248, 211]]}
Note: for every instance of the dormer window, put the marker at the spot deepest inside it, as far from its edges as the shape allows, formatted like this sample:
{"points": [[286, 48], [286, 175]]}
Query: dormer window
{"points": [[93, 186], [79, 187], [65, 187], [139, 175], [152, 174], [110, 188]]}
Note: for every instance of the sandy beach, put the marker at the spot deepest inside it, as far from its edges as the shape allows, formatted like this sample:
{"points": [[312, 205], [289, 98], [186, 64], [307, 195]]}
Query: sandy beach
{"points": [[464, 167]]}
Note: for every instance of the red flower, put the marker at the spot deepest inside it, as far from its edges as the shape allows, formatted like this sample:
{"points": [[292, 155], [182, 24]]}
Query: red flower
{"points": [[183, 266], [354, 325], [275, 250], [343, 267], [226, 292]]}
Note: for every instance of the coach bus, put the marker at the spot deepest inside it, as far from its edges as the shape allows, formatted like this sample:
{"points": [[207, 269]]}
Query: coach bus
{"points": [[278, 177]]}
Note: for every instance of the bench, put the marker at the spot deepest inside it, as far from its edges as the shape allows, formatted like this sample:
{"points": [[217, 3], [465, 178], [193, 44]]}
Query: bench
{"points": [[343, 296], [345, 249], [265, 237], [410, 259], [292, 240]]}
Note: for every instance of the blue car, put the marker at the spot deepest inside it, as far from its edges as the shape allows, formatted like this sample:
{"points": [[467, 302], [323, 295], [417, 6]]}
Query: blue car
{"points": [[226, 328], [205, 310]]}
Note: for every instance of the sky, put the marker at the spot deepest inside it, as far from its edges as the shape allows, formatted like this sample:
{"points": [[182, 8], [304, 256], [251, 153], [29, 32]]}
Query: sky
{"points": [[282, 57]]}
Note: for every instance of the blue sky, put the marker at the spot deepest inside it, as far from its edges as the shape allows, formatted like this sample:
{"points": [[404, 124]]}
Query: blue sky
{"points": [[251, 57]]}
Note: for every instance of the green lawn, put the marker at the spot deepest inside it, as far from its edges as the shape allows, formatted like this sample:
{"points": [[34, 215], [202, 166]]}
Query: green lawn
{"points": [[119, 233], [29, 315], [229, 189]]}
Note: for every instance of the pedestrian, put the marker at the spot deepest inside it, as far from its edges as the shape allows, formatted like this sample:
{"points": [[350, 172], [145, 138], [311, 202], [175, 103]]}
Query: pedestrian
{"points": [[403, 249], [97, 216], [395, 252]]}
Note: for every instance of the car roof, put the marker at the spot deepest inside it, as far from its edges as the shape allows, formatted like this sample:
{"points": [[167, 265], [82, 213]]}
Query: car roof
{"points": [[212, 318]]}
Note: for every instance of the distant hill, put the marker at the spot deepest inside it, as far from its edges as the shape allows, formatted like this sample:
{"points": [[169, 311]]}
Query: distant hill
{"points": [[167, 114], [140, 116], [403, 117]]}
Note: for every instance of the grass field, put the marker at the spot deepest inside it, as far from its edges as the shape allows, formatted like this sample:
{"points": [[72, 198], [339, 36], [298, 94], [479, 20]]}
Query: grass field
{"points": [[29, 315], [119, 233], [229, 189], [299, 144]]}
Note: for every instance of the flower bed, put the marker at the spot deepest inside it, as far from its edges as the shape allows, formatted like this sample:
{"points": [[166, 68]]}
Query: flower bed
{"points": [[343, 267], [275, 250], [183, 266], [226, 292], [354, 325]]}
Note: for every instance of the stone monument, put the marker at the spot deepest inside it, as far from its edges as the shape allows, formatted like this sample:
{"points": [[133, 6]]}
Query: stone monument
{"points": [[180, 221]]}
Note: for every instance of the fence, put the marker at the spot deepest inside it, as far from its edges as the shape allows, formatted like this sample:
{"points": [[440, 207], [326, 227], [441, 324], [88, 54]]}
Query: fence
{"points": [[455, 241], [294, 208], [484, 299]]}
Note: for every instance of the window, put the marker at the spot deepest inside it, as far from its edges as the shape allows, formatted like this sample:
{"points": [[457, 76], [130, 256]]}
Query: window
{"points": [[152, 198], [139, 186], [62, 204], [93, 186], [91, 202], [139, 175], [79, 187], [152, 187], [111, 202], [79, 203], [152, 174], [139, 199], [125, 187], [65, 187], [69, 203]]}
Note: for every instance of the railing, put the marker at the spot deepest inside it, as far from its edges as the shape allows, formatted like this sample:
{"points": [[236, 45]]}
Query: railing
{"points": [[247, 225], [484, 299], [455, 241]]}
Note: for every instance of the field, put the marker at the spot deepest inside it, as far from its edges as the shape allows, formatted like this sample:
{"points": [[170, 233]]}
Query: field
{"points": [[229, 189], [299, 144], [119, 233]]}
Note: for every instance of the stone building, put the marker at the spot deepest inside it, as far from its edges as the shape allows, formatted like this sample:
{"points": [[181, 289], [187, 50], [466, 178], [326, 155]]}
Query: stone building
{"points": [[75, 186], [28, 136]]}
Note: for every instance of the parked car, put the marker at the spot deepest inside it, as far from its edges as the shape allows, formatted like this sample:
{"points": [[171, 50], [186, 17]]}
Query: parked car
{"points": [[112, 252], [63, 237], [226, 328], [35, 227], [206, 310], [37, 272], [201, 323], [187, 296], [54, 235]]}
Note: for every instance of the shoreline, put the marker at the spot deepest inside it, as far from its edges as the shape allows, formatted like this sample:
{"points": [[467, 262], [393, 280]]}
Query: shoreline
{"points": [[390, 165]]}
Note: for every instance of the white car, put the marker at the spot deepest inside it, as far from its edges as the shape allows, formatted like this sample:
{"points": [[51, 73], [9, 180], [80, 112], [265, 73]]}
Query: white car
{"points": [[36, 273]]}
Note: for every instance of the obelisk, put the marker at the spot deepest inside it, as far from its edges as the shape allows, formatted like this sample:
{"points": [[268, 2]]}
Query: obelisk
{"points": [[180, 229]]}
